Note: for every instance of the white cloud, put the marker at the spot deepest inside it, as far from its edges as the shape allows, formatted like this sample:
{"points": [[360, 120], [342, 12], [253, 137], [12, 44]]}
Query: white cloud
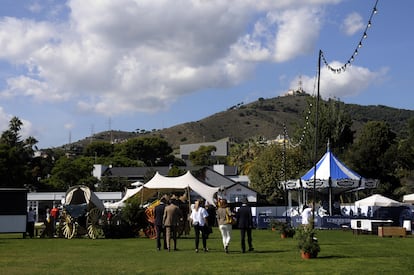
{"points": [[281, 36], [298, 31], [350, 83], [352, 24], [127, 56]]}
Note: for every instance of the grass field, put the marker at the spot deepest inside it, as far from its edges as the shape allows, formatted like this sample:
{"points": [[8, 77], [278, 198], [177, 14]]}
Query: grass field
{"points": [[341, 253]]}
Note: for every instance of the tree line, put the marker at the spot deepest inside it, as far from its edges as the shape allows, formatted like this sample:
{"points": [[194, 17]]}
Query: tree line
{"points": [[375, 152]]}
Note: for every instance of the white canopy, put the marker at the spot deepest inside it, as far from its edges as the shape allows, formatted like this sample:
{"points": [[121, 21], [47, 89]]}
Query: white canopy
{"points": [[137, 183], [377, 200], [129, 193], [408, 198], [159, 182]]}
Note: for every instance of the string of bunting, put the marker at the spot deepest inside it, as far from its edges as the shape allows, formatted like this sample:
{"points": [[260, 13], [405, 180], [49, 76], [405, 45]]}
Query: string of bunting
{"points": [[356, 51], [335, 70]]}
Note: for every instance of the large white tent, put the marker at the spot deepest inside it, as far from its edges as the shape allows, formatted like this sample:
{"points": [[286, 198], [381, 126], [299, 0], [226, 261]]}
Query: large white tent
{"points": [[377, 200], [186, 181], [162, 183]]}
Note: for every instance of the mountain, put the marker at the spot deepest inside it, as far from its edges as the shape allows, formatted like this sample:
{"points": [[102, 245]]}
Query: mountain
{"points": [[264, 117]]}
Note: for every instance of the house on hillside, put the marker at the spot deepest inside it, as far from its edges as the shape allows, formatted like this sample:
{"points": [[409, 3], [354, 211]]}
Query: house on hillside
{"points": [[233, 187]]}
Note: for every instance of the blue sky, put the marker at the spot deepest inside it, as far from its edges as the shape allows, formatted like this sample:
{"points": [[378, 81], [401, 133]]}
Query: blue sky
{"points": [[69, 69]]}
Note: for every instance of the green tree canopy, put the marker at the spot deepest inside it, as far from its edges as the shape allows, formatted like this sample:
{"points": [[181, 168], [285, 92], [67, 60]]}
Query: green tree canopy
{"points": [[16, 157], [154, 151], [334, 125], [99, 149], [68, 172], [203, 156], [273, 166], [374, 155]]}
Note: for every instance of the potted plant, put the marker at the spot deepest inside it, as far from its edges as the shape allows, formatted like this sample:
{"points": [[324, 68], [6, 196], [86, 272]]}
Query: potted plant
{"points": [[284, 228], [307, 241]]}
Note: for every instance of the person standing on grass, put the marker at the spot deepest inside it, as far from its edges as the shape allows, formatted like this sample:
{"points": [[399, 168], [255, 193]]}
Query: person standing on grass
{"points": [[54, 217], [224, 226], [31, 218], [159, 225], [245, 224], [306, 215], [171, 218], [199, 221]]}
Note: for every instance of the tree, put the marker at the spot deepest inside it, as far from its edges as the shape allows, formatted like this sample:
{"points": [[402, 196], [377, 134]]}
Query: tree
{"points": [[334, 125], [98, 149], [16, 157], [405, 160], [243, 155], [151, 150], [68, 172], [175, 171], [272, 167], [109, 184], [203, 156], [373, 155]]}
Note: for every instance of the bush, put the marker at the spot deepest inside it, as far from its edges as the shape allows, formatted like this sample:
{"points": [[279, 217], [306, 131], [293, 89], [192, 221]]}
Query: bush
{"points": [[307, 241], [284, 228]]}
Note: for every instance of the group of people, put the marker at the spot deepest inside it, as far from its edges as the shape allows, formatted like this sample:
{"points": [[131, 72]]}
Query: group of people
{"points": [[168, 216], [50, 219]]}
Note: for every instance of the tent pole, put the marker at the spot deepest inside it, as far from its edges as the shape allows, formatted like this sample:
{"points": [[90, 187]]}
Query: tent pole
{"points": [[330, 196], [142, 196], [316, 138]]}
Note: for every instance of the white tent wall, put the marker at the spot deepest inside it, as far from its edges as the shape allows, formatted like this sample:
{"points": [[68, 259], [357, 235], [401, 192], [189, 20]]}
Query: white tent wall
{"points": [[159, 182], [184, 182]]}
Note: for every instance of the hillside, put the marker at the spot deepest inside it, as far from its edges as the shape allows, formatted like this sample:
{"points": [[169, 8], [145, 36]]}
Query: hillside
{"points": [[264, 117]]}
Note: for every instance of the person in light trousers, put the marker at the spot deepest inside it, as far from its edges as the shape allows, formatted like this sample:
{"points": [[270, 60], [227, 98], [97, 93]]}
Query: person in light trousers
{"points": [[224, 223]]}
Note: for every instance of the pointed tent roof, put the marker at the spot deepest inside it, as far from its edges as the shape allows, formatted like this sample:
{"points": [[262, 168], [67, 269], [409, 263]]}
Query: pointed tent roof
{"points": [[331, 167], [331, 172]]}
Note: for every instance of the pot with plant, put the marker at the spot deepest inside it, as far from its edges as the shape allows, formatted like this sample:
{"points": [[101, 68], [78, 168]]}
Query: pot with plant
{"points": [[284, 228], [307, 241]]}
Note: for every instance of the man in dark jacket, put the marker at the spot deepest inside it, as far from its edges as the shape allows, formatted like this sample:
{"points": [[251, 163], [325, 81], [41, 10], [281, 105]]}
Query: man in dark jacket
{"points": [[159, 226], [245, 224]]}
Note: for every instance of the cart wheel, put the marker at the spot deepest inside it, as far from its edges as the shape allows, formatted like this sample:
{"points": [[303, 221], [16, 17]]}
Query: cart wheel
{"points": [[68, 226], [94, 224]]}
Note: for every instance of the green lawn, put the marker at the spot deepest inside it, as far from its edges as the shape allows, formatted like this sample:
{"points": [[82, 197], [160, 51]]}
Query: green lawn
{"points": [[341, 253]]}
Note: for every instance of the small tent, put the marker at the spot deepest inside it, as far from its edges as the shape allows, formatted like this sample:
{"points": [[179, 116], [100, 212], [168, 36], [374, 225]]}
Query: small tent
{"points": [[331, 172], [377, 200], [330, 176], [408, 198]]}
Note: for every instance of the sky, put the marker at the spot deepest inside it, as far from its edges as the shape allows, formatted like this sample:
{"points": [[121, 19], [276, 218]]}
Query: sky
{"points": [[70, 69]]}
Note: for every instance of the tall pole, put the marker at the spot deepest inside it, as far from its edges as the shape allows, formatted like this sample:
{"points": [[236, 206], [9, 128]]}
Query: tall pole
{"points": [[284, 169], [316, 140]]}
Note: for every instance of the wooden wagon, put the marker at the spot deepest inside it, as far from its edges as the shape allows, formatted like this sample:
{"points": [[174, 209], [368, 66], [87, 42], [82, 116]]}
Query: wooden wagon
{"points": [[82, 214]]}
